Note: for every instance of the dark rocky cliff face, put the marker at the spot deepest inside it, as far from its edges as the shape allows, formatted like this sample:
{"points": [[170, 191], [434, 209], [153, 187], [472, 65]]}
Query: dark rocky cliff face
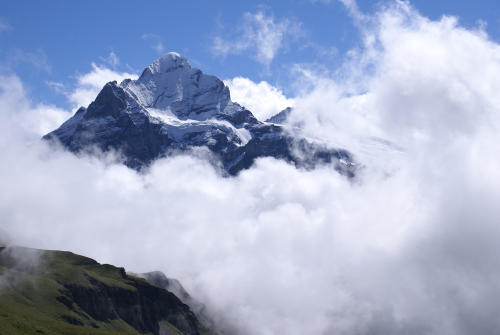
{"points": [[173, 107], [63, 293], [159, 279], [143, 308]]}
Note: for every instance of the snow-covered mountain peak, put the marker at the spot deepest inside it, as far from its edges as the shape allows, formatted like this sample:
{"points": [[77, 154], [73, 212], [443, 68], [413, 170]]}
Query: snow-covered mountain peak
{"points": [[175, 107], [168, 62], [170, 83]]}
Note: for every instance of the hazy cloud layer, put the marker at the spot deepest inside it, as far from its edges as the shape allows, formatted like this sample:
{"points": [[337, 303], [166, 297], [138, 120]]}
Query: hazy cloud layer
{"points": [[409, 248]]}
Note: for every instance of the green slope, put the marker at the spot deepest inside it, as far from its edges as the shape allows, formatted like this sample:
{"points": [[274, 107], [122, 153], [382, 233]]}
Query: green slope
{"points": [[55, 292]]}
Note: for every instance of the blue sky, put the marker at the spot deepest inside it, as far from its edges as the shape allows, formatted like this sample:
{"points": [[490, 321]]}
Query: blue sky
{"points": [[56, 41]]}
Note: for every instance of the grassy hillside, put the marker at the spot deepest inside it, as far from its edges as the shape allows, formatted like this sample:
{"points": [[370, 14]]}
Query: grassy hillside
{"points": [[55, 292]]}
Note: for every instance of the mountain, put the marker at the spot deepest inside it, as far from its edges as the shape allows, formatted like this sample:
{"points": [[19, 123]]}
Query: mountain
{"points": [[174, 107], [281, 117], [60, 293], [173, 285]]}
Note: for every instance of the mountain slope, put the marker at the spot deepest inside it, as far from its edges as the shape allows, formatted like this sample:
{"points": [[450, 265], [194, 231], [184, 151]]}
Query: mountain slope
{"points": [[173, 285], [55, 292], [281, 117], [174, 107]]}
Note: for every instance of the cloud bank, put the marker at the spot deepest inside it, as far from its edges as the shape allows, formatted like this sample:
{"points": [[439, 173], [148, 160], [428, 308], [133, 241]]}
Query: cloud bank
{"points": [[23, 121], [263, 99], [409, 248]]}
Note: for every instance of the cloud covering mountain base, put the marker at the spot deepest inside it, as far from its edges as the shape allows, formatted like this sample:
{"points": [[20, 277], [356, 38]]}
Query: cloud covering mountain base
{"points": [[411, 247]]}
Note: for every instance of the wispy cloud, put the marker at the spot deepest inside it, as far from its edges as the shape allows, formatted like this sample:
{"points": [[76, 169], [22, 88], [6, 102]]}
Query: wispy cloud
{"points": [[156, 42], [56, 86], [89, 84], [112, 59], [260, 34], [350, 5], [38, 59], [4, 25], [353, 10]]}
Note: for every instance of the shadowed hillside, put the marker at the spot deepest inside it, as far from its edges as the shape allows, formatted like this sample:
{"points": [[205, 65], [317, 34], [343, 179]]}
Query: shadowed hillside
{"points": [[56, 292]]}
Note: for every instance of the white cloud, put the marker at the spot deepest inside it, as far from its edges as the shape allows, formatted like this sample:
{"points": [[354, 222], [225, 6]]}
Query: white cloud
{"points": [[418, 77], [260, 34], [31, 121], [412, 250], [262, 99], [91, 83]]}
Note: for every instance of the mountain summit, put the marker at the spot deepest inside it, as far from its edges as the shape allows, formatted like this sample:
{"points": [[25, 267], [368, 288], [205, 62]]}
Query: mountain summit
{"points": [[171, 86], [175, 107]]}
